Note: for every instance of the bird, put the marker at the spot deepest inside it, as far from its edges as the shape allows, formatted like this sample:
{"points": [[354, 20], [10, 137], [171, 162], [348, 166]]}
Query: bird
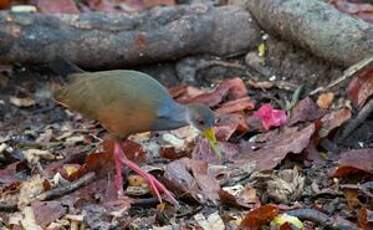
{"points": [[127, 102]]}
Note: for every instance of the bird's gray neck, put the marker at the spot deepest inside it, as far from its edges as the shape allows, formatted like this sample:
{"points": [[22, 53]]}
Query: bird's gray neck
{"points": [[173, 116]]}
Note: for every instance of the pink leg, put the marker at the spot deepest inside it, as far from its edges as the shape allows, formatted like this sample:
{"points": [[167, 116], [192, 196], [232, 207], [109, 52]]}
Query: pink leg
{"points": [[118, 182], [154, 183]]}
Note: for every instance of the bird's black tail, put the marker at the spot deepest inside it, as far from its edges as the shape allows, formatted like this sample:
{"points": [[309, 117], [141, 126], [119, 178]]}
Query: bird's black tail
{"points": [[64, 67]]}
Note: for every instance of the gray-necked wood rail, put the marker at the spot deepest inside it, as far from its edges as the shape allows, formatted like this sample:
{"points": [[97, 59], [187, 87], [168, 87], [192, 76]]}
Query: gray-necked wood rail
{"points": [[126, 102]]}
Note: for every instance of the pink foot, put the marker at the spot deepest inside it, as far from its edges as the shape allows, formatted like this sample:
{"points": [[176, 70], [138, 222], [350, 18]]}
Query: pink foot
{"points": [[156, 186]]}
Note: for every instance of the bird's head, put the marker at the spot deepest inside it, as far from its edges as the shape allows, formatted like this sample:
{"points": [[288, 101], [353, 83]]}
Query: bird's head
{"points": [[203, 119]]}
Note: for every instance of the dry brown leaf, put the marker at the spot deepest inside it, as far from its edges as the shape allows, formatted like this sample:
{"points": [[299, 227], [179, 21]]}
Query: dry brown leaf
{"points": [[233, 88], [22, 102], [325, 100], [333, 120], [258, 217], [355, 160], [47, 211], [305, 110], [361, 88], [277, 145], [190, 177]]}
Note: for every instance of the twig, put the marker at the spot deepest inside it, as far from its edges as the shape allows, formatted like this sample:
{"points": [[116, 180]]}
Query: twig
{"points": [[8, 207], [145, 202], [58, 192], [350, 72], [364, 188], [354, 123], [322, 219]]}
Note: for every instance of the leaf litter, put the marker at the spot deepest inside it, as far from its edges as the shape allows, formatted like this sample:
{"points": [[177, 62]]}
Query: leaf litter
{"points": [[262, 175]]}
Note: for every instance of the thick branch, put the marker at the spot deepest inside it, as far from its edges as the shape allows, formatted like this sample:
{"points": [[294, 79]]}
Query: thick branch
{"points": [[316, 26], [97, 40]]}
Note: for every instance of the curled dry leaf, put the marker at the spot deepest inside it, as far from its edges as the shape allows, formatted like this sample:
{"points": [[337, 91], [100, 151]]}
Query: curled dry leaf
{"points": [[233, 88], [22, 102], [277, 145], [245, 197], [33, 156], [190, 177], [354, 161], [258, 217], [271, 117], [361, 88], [306, 110]]}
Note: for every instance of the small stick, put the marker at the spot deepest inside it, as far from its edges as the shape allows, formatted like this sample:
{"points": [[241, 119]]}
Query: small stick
{"points": [[322, 219], [354, 123], [61, 191], [8, 207], [350, 72]]}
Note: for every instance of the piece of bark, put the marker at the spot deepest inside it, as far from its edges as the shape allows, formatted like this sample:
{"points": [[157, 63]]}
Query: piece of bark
{"points": [[98, 40], [316, 26]]}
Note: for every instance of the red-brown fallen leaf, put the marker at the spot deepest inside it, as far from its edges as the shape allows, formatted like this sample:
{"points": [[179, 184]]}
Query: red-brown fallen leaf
{"points": [[306, 110], [4, 3], [354, 161], [361, 87], [271, 117], [103, 162], [258, 217], [333, 120], [234, 88], [365, 219], [202, 151], [190, 177], [238, 105], [246, 198], [60, 6], [227, 124], [8, 174], [277, 145], [47, 211], [184, 92]]}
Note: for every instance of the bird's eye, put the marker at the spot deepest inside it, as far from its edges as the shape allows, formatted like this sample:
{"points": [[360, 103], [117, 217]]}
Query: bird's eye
{"points": [[201, 122]]}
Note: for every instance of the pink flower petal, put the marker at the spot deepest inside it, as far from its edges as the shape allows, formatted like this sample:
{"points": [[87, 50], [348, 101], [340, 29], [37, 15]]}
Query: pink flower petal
{"points": [[271, 117]]}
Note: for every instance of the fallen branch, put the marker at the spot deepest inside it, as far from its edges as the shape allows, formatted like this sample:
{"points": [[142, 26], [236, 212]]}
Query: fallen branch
{"points": [[322, 219], [61, 191], [348, 73], [98, 40], [356, 122], [317, 27]]}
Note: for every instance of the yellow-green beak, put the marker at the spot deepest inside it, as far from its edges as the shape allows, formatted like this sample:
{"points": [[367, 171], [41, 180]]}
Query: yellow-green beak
{"points": [[210, 136]]}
